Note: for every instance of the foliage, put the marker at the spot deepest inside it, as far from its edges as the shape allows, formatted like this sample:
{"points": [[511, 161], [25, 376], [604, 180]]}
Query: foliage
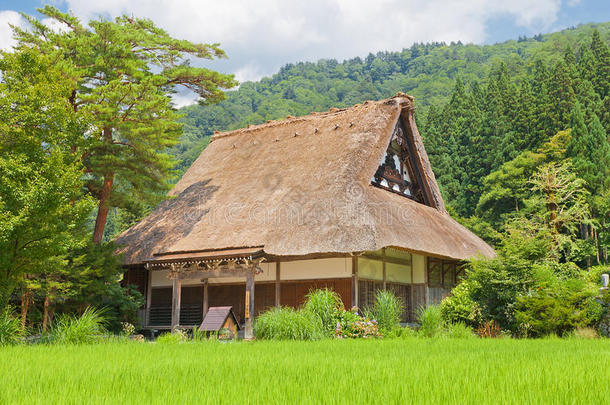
{"points": [[325, 304], [386, 311], [585, 333], [10, 329], [124, 73], [288, 324], [489, 329], [558, 309], [460, 330], [351, 325], [431, 323], [173, 337], [42, 210], [459, 307], [83, 329]]}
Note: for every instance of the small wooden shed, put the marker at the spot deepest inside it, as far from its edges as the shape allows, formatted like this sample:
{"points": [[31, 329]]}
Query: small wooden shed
{"points": [[219, 318]]}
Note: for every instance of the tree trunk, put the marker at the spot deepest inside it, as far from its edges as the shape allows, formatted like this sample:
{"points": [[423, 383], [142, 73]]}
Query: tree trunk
{"points": [[103, 207], [26, 301], [45, 313]]}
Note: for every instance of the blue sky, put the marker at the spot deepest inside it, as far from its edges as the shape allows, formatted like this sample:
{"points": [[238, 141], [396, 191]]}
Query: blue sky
{"points": [[261, 36]]}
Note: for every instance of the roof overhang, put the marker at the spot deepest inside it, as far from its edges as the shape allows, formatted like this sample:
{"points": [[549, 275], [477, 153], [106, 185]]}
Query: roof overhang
{"points": [[167, 259]]}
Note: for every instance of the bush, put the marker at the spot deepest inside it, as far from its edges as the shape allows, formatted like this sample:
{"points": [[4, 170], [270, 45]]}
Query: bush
{"points": [[87, 328], [10, 328], [289, 324], [174, 337], [585, 333], [403, 333], [460, 307], [351, 325], [327, 306], [431, 321], [460, 330], [559, 309], [386, 311]]}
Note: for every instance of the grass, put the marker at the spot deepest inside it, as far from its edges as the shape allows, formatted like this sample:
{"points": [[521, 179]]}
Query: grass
{"points": [[330, 371]]}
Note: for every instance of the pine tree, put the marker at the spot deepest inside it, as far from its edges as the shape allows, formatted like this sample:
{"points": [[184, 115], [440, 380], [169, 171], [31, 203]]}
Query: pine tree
{"points": [[562, 94], [589, 150], [602, 65], [125, 72]]}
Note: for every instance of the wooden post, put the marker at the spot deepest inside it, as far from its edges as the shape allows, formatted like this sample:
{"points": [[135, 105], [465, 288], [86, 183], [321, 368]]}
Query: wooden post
{"points": [[249, 312], [206, 304], [176, 297], [277, 284], [411, 309], [354, 281], [383, 267], [146, 319]]}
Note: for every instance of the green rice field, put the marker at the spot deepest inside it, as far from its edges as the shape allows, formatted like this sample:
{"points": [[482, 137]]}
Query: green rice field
{"points": [[431, 371]]}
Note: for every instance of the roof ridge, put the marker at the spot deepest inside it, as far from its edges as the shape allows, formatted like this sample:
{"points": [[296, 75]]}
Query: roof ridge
{"points": [[398, 99]]}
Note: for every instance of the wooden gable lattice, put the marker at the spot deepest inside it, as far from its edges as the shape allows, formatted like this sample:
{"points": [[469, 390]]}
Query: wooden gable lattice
{"points": [[397, 171]]}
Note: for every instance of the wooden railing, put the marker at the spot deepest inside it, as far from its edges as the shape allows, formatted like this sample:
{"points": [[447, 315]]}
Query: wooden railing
{"points": [[190, 315]]}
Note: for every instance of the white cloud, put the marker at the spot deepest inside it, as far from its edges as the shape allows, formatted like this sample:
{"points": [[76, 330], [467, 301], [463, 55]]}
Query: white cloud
{"points": [[6, 33], [261, 36]]}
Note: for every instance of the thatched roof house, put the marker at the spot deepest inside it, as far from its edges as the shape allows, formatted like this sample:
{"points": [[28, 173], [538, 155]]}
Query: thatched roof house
{"points": [[343, 183]]}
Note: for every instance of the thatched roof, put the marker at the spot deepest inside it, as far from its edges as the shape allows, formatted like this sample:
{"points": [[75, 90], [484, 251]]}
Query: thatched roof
{"points": [[302, 186]]}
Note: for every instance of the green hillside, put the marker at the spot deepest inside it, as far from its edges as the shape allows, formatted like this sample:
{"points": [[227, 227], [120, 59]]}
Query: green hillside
{"points": [[426, 71]]}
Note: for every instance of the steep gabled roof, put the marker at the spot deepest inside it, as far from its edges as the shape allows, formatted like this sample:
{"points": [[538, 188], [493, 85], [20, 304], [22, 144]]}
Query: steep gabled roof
{"points": [[303, 186]]}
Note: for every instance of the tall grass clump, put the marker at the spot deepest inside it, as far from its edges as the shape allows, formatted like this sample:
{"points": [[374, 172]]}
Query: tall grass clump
{"points": [[10, 328], [86, 328], [288, 324], [326, 304], [431, 321], [386, 311]]}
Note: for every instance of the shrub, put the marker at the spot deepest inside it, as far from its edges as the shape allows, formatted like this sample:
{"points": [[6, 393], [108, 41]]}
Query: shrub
{"points": [[558, 309], [174, 337], [585, 333], [460, 330], [386, 311], [402, 333], [460, 307], [351, 325], [289, 324], [10, 328], [87, 328], [489, 329], [327, 306], [431, 321]]}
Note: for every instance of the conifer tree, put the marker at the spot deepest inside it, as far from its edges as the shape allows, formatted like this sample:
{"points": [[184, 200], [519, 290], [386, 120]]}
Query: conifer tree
{"points": [[590, 151], [125, 71]]}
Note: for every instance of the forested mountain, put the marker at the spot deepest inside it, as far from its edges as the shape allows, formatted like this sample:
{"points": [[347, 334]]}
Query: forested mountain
{"points": [[426, 71]]}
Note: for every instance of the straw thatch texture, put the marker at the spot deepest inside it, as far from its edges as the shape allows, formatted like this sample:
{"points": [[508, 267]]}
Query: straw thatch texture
{"points": [[302, 186]]}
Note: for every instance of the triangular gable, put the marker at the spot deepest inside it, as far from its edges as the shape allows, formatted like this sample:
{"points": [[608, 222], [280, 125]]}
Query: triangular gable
{"points": [[404, 168], [396, 171]]}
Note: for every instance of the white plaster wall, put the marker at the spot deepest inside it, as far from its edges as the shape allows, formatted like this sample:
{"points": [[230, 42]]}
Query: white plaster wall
{"points": [[398, 254], [336, 267], [370, 269], [419, 269], [397, 273]]}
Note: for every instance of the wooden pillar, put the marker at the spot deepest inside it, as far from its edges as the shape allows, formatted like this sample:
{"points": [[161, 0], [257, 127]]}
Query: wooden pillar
{"points": [[355, 281], [206, 304], [249, 312], [176, 297], [383, 267], [411, 301], [146, 319], [277, 284]]}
